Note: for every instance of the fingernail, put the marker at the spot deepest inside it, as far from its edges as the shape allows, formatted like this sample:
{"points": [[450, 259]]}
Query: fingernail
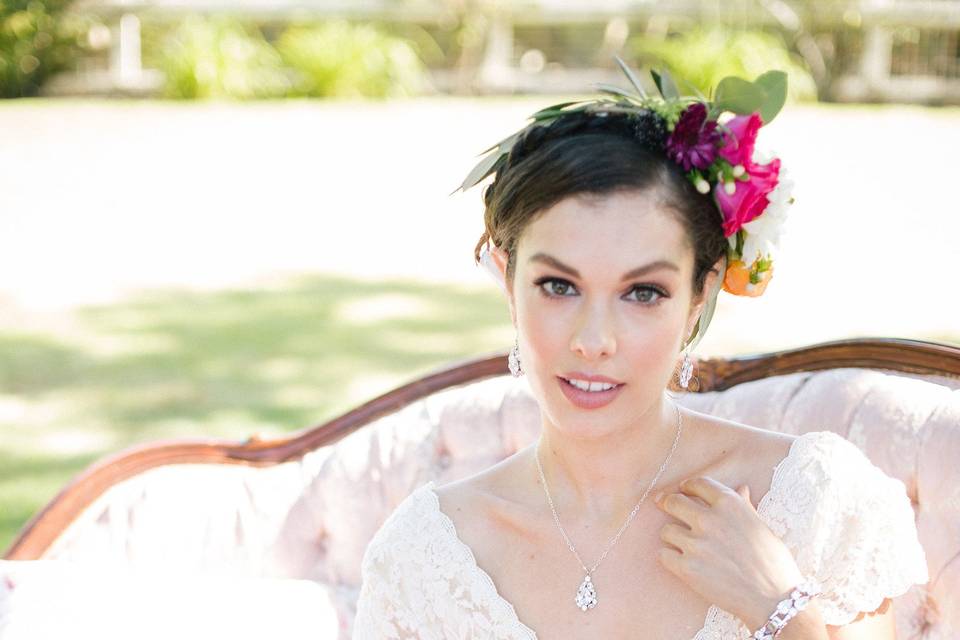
{"points": [[657, 497]]}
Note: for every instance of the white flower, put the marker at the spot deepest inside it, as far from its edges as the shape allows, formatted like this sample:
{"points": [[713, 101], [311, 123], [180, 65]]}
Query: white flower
{"points": [[765, 231], [762, 157]]}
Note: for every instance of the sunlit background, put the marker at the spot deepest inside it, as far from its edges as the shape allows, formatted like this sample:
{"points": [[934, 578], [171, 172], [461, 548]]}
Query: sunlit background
{"points": [[227, 217]]}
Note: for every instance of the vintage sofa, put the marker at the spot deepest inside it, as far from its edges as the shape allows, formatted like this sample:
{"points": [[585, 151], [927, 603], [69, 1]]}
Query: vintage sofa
{"points": [[229, 539]]}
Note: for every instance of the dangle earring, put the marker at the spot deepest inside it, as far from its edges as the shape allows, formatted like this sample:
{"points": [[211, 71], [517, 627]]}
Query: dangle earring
{"points": [[514, 359], [686, 370]]}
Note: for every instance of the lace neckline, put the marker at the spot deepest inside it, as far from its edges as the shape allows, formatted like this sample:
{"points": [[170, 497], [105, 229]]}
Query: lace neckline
{"points": [[779, 471]]}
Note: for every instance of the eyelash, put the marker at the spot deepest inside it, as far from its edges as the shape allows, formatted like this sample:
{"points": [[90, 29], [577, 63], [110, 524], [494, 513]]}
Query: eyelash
{"points": [[541, 281]]}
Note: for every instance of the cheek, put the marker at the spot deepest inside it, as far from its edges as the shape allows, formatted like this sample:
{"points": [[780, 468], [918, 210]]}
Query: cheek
{"points": [[545, 328], [651, 337], [653, 347]]}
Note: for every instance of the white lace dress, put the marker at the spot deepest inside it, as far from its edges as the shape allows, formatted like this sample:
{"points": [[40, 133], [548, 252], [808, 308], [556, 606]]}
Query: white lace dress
{"points": [[845, 521]]}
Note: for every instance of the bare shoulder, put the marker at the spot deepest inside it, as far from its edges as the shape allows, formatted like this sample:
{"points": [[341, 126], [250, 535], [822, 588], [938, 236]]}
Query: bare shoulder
{"points": [[486, 499], [745, 441], [453, 496], [750, 453]]}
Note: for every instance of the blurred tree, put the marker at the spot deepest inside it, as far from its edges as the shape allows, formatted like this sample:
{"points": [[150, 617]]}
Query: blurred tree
{"points": [[37, 39], [221, 57], [337, 58], [224, 57], [704, 56], [473, 23]]}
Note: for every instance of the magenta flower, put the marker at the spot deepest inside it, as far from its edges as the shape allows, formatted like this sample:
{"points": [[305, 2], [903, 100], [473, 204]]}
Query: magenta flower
{"points": [[738, 143], [750, 198], [693, 142]]}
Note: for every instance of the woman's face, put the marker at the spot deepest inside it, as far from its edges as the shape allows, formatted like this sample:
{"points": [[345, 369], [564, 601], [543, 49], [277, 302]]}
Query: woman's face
{"points": [[580, 305]]}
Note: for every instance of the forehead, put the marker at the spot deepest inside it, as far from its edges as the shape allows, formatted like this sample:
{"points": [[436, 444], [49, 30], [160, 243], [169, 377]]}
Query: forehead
{"points": [[620, 228]]}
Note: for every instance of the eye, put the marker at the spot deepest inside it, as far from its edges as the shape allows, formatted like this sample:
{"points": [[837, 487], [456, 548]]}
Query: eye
{"points": [[644, 298], [564, 285]]}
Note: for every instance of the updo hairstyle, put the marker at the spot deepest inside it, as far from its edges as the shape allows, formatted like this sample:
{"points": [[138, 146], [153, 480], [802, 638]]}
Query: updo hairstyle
{"points": [[590, 154]]}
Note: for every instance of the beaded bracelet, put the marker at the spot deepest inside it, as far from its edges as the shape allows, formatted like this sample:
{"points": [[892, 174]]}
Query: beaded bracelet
{"points": [[787, 608]]}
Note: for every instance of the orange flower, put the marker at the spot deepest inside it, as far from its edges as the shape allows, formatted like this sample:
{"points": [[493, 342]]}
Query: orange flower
{"points": [[750, 281]]}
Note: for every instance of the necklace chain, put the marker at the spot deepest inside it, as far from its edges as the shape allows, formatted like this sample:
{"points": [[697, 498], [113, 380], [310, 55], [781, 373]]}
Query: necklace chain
{"points": [[633, 513]]}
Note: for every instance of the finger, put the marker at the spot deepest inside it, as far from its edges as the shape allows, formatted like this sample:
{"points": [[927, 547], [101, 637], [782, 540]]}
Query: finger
{"points": [[683, 508], [705, 488], [744, 491], [671, 559], [677, 535]]}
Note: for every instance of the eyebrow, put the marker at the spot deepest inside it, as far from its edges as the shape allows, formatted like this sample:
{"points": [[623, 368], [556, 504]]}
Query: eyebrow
{"points": [[633, 273]]}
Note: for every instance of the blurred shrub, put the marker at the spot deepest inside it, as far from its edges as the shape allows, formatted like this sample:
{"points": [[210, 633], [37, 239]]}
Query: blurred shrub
{"points": [[225, 58], [703, 57], [221, 57], [36, 40], [337, 58]]}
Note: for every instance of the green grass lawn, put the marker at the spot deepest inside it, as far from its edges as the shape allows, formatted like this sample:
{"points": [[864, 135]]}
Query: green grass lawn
{"points": [[222, 364]]}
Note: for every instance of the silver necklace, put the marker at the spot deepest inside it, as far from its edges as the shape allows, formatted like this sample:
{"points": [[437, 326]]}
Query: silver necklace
{"points": [[586, 597]]}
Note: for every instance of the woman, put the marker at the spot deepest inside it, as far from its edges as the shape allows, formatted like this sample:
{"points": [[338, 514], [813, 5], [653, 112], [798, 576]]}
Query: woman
{"points": [[614, 225]]}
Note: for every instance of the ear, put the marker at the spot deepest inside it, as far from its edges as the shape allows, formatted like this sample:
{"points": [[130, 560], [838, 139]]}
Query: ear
{"points": [[500, 258]]}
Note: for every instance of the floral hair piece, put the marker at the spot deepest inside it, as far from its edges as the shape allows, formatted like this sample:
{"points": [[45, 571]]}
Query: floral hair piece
{"points": [[717, 153]]}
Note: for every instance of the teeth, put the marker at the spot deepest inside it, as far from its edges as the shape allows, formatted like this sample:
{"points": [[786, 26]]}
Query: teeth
{"points": [[591, 386]]}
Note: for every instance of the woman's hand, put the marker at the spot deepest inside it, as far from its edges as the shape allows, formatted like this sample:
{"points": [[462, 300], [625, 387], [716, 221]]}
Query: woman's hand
{"points": [[724, 551]]}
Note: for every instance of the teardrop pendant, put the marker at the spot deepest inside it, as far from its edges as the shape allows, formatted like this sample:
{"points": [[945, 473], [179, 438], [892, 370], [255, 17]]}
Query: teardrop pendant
{"points": [[586, 595]]}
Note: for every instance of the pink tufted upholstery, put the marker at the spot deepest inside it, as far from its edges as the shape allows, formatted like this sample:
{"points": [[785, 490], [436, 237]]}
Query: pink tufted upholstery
{"points": [[311, 518]]}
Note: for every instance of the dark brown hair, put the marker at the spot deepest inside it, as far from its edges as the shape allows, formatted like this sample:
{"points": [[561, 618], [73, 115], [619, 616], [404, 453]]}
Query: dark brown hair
{"points": [[582, 153]]}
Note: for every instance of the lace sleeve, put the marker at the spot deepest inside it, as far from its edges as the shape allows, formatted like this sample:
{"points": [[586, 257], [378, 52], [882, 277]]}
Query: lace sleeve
{"points": [[868, 548], [385, 608], [421, 582]]}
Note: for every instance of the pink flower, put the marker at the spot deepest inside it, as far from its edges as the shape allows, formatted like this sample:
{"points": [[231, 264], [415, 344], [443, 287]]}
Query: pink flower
{"points": [[738, 143], [693, 142], [750, 198]]}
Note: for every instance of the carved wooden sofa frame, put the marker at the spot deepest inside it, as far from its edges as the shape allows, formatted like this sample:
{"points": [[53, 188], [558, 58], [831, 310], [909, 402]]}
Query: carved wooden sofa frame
{"points": [[933, 361]]}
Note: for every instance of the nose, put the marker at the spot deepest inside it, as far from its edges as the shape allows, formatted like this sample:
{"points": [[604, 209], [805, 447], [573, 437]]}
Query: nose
{"points": [[595, 334]]}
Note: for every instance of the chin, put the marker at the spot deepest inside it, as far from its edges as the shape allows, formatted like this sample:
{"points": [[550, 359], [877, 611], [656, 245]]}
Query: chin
{"points": [[580, 428], [582, 423]]}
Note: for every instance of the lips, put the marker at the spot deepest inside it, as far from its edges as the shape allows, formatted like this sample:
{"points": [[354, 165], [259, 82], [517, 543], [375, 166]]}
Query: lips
{"points": [[588, 399]]}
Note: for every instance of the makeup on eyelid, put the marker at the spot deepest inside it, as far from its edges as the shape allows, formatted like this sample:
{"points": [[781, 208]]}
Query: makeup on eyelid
{"points": [[660, 293]]}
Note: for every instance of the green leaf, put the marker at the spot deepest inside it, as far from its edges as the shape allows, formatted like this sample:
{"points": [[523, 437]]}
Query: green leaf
{"points": [[739, 96], [547, 115], [612, 108], [482, 170], [508, 142], [554, 107], [631, 77], [666, 85], [691, 87], [614, 90], [774, 84], [706, 314], [656, 80], [486, 166]]}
